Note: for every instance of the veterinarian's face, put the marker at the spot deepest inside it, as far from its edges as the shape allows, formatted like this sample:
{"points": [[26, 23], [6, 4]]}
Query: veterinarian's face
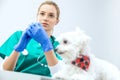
{"points": [[47, 16]]}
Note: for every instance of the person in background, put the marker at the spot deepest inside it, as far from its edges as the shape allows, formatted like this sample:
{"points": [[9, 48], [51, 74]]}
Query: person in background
{"points": [[33, 50]]}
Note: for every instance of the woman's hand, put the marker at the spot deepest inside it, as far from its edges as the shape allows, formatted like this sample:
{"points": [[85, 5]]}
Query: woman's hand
{"points": [[21, 45], [37, 32]]}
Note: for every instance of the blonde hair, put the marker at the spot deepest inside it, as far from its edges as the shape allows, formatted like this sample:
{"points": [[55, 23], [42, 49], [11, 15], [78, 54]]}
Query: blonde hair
{"points": [[51, 3]]}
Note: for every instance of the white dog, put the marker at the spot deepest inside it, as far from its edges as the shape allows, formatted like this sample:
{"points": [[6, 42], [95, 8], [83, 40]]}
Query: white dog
{"points": [[81, 64]]}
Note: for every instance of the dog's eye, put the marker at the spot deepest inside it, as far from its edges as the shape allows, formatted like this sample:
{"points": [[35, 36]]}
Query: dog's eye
{"points": [[65, 41]]}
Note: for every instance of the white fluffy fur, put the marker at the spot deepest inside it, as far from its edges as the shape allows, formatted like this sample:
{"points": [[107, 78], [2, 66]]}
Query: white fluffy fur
{"points": [[71, 45]]}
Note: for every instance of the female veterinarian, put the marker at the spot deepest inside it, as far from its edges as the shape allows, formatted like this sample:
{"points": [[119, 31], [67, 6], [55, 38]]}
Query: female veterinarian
{"points": [[33, 50]]}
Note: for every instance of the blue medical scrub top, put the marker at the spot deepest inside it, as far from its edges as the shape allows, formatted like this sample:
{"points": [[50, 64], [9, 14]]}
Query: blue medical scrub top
{"points": [[33, 63]]}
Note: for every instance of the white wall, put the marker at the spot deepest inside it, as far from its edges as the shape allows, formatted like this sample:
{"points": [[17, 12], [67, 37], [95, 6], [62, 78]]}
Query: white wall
{"points": [[99, 18]]}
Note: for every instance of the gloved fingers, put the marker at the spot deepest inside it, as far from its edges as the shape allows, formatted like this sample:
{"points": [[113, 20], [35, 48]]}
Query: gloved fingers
{"points": [[30, 26], [35, 29], [29, 32], [27, 36], [30, 29], [38, 24]]}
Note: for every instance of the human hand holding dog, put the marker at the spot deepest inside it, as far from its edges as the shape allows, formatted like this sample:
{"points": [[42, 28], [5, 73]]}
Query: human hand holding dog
{"points": [[37, 32]]}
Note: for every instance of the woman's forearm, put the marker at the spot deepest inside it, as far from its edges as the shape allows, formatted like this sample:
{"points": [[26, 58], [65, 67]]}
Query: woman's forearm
{"points": [[10, 62], [51, 58], [54, 64]]}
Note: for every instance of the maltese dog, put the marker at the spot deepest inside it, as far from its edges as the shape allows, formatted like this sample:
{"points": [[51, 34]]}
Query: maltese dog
{"points": [[80, 64]]}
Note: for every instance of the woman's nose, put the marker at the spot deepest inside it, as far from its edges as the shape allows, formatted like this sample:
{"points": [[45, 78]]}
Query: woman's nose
{"points": [[45, 17]]}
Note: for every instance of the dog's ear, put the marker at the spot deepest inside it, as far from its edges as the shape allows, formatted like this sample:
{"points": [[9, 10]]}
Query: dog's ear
{"points": [[84, 48], [84, 43]]}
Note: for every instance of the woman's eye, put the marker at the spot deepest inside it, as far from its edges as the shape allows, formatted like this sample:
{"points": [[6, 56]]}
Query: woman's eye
{"points": [[51, 16], [42, 14]]}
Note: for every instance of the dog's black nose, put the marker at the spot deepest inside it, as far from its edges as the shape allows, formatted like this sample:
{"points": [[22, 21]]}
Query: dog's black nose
{"points": [[60, 52]]}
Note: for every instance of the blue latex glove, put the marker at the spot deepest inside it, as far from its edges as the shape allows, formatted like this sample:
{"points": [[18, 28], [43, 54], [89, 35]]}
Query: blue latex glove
{"points": [[24, 39], [37, 32]]}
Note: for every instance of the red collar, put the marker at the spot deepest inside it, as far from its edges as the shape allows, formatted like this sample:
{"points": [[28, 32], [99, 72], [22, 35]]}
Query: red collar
{"points": [[82, 61]]}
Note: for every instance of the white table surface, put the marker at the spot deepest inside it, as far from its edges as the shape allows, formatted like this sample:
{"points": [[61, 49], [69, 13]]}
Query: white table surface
{"points": [[10, 75]]}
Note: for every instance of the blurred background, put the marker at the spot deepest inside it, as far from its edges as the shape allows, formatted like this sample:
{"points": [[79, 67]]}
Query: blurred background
{"points": [[100, 19]]}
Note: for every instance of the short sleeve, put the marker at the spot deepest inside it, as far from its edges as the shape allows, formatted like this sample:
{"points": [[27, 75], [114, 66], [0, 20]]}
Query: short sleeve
{"points": [[9, 44], [55, 44]]}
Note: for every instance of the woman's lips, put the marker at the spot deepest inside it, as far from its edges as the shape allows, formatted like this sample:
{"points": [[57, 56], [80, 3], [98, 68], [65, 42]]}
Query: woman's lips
{"points": [[44, 24]]}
